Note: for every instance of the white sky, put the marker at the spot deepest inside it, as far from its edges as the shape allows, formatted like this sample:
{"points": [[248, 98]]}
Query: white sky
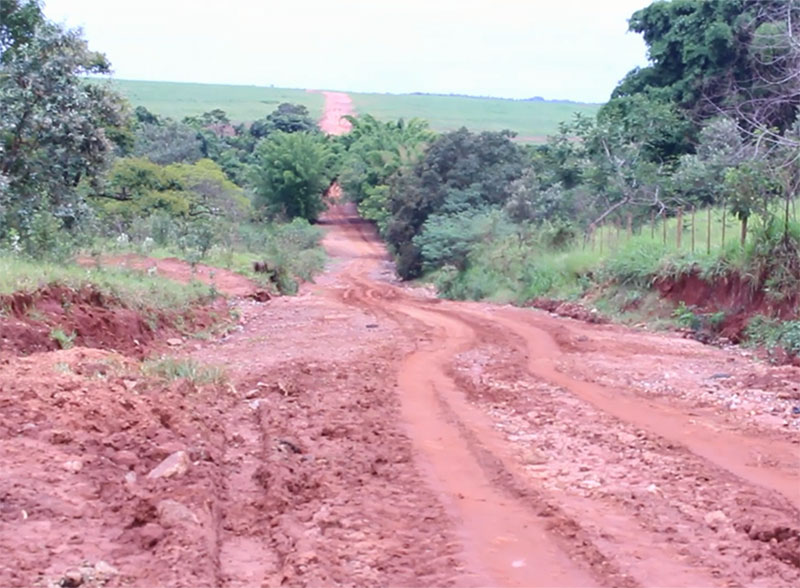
{"points": [[571, 49]]}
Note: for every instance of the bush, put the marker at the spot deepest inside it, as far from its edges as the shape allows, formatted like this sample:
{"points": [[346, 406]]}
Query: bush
{"points": [[774, 333]]}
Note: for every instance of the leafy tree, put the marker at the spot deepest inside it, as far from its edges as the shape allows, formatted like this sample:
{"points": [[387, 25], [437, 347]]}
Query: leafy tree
{"points": [[460, 172], [291, 172], [54, 123], [376, 151], [699, 177], [530, 201], [286, 118], [450, 238], [138, 188], [168, 141], [713, 56]]}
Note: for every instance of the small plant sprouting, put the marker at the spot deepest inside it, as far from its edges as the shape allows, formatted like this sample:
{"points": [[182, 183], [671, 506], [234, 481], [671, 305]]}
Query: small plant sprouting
{"points": [[64, 341], [171, 368]]}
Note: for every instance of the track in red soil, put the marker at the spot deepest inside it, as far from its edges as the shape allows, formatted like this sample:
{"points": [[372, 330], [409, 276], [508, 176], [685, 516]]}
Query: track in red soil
{"points": [[337, 105], [370, 434]]}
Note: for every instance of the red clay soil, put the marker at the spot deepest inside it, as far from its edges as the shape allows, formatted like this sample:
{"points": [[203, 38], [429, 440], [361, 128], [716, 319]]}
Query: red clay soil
{"points": [[371, 435], [733, 295], [91, 319]]}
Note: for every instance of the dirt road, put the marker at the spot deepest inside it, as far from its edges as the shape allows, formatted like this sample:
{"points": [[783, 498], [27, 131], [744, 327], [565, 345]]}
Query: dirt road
{"points": [[371, 434], [337, 105]]}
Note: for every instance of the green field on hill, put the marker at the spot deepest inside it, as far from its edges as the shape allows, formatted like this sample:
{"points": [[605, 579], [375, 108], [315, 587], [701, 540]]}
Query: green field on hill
{"points": [[531, 120], [242, 103]]}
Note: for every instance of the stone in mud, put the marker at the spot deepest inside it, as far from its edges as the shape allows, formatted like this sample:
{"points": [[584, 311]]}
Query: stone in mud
{"points": [[174, 341], [104, 570], [71, 579], [174, 465], [716, 519], [172, 513], [126, 458]]}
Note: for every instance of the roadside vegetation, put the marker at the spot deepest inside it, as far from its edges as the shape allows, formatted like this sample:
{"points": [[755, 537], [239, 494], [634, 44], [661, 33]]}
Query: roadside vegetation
{"points": [[709, 127], [608, 210], [83, 174]]}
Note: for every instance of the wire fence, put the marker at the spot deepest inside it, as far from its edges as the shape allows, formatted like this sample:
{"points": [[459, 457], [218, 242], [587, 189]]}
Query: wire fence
{"points": [[692, 230]]}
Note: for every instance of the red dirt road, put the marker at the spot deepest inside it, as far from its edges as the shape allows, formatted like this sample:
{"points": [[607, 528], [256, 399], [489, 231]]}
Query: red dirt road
{"points": [[337, 105], [371, 434]]}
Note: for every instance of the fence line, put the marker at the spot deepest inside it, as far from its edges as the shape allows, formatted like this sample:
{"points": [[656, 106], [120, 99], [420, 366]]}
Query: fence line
{"points": [[674, 225]]}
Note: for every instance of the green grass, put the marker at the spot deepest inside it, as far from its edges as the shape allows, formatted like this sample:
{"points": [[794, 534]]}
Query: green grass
{"points": [[171, 368], [241, 103], [134, 289], [620, 274], [531, 120]]}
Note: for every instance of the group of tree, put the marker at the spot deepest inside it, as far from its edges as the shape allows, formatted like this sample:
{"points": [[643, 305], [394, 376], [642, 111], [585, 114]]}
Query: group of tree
{"points": [[713, 119], [75, 156]]}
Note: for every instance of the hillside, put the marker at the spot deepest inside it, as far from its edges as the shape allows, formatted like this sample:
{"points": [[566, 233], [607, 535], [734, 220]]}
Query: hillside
{"points": [[531, 120]]}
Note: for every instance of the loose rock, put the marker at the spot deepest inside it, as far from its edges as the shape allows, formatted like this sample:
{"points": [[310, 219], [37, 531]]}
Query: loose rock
{"points": [[175, 464]]}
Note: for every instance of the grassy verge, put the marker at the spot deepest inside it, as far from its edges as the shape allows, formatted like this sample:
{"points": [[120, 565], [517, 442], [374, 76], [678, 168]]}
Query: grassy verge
{"points": [[292, 250], [134, 289], [619, 279]]}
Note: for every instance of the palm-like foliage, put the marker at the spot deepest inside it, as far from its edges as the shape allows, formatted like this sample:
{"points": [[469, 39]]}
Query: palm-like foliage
{"points": [[376, 152]]}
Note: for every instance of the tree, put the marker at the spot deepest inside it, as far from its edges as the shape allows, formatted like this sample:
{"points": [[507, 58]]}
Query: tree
{"points": [[461, 172], [721, 56], [167, 141], [54, 123], [291, 172], [137, 188], [286, 118], [376, 151]]}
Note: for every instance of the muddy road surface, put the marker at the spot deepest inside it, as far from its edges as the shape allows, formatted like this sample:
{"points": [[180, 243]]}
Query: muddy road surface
{"points": [[369, 434]]}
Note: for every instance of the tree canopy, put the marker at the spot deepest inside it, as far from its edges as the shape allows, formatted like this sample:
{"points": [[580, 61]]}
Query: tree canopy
{"points": [[54, 123]]}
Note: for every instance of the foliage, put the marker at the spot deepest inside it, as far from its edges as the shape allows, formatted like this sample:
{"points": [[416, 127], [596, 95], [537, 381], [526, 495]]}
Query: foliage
{"points": [[54, 124], [292, 170], [773, 334], [137, 188], [375, 152], [133, 289], [460, 172], [286, 118], [167, 142], [64, 340], [447, 239]]}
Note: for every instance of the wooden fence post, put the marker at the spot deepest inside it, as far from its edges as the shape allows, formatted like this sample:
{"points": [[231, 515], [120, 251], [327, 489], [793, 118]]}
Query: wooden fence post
{"points": [[743, 236], [664, 227], [679, 228], [630, 225], [723, 227], [708, 233], [694, 218], [653, 225]]}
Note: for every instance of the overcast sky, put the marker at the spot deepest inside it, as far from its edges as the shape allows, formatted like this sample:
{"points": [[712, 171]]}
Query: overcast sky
{"points": [[571, 49]]}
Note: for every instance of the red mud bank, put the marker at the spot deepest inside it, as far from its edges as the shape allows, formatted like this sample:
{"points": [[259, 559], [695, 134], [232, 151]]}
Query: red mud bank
{"points": [[736, 296], [29, 319], [109, 476]]}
